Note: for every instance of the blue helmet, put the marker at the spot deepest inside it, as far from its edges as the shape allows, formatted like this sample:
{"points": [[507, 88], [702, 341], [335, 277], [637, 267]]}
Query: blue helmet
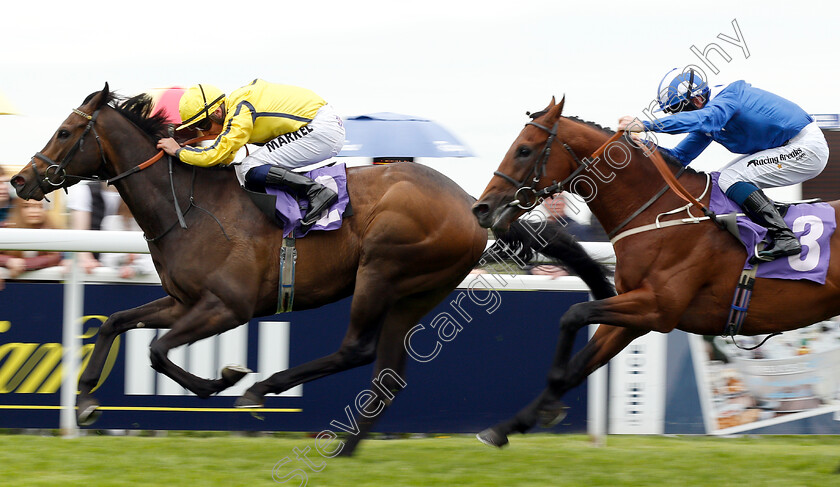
{"points": [[685, 86]]}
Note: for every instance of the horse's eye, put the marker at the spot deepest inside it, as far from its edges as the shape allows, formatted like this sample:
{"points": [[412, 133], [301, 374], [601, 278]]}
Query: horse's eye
{"points": [[63, 134], [523, 152]]}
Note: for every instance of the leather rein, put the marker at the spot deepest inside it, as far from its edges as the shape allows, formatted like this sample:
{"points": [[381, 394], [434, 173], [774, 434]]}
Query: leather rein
{"points": [[59, 169], [538, 171]]}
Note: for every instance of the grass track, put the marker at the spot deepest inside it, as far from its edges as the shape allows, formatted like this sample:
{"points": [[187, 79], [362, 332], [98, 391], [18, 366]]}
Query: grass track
{"points": [[532, 460]]}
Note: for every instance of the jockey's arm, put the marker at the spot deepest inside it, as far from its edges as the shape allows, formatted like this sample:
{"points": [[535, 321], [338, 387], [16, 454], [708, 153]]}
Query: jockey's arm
{"points": [[236, 133], [709, 119], [690, 147]]}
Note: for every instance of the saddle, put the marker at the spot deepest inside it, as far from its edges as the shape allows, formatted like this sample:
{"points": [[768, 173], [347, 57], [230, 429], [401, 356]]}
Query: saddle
{"points": [[285, 209]]}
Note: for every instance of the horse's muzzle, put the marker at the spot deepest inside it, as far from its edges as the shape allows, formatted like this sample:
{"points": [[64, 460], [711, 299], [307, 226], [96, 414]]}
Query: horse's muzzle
{"points": [[483, 214], [497, 217], [26, 189]]}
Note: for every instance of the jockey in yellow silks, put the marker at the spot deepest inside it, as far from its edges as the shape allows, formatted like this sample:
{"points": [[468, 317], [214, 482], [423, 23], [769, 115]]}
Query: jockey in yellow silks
{"points": [[295, 127]]}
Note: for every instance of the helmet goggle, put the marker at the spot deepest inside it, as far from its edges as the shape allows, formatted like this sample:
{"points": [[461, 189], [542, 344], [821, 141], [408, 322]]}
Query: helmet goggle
{"points": [[205, 123], [676, 97]]}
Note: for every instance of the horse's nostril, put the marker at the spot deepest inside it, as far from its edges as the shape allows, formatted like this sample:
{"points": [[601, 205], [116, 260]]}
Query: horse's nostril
{"points": [[480, 209], [18, 182]]}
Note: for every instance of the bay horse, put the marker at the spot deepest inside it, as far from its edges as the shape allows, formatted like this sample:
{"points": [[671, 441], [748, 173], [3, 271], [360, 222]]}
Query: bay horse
{"points": [[680, 277], [410, 241]]}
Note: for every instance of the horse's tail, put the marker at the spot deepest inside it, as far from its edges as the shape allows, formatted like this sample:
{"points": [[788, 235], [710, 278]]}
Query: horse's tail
{"points": [[523, 239]]}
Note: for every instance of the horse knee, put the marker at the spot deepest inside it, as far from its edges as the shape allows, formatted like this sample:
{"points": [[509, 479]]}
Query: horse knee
{"points": [[115, 325], [358, 354], [107, 329], [574, 318]]}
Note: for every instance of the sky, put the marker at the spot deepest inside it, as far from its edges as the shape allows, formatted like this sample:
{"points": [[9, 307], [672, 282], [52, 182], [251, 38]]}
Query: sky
{"points": [[475, 67]]}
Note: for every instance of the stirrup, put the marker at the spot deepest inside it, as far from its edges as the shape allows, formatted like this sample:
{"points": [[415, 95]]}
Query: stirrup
{"points": [[755, 259], [758, 258], [313, 216]]}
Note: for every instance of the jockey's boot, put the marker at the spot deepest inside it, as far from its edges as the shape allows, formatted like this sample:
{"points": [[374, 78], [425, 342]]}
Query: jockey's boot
{"points": [[320, 197], [762, 211]]}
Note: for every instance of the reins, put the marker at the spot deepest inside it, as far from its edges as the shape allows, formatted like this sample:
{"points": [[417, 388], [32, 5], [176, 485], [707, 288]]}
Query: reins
{"points": [[153, 159], [59, 170], [744, 288], [538, 171]]}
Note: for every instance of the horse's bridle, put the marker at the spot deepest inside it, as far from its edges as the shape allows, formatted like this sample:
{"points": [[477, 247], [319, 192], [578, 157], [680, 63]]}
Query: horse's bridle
{"points": [[59, 169], [538, 171]]}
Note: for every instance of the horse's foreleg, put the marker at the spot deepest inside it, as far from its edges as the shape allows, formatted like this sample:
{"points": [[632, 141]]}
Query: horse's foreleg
{"points": [[547, 408], [209, 316], [629, 316], [160, 313]]}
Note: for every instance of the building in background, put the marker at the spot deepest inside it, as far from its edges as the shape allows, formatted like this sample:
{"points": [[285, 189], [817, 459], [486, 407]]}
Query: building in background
{"points": [[826, 186]]}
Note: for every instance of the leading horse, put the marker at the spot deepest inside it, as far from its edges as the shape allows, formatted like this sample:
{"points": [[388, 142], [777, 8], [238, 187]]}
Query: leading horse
{"points": [[411, 240], [680, 277]]}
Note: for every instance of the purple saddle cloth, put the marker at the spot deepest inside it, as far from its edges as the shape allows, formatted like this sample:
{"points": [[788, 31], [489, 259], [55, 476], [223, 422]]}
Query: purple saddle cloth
{"points": [[813, 224], [289, 211]]}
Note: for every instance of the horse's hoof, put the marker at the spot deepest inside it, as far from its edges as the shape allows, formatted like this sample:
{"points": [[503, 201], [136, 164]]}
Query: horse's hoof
{"points": [[232, 374], [248, 400], [346, 452], [87, 412], [491, 438], [552, 414]]}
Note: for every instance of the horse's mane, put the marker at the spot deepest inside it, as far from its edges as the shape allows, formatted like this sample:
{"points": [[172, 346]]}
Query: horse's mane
{"points": [[671, 160], [138, 109]]}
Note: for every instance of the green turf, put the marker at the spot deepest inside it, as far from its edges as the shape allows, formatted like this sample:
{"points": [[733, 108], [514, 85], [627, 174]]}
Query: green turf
{"points": [[538, 460]]}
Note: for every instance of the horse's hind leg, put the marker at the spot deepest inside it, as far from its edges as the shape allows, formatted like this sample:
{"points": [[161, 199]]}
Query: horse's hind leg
{"points": [[160, 313], [367, 313], [389, 373], [209, 316]]}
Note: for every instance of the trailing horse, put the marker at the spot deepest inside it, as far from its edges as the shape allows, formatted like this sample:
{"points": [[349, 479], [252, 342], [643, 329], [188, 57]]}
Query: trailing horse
{"points": [[680, 276], [411, 240]]}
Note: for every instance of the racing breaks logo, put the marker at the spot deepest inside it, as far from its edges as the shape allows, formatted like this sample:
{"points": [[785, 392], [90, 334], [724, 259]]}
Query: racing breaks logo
{"points": [[794, 155], [284, 139]]}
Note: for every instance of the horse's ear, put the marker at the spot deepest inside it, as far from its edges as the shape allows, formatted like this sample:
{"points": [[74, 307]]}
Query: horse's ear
{"points": [[101, 98], [550, 105], [106, 92], [555, 109]]}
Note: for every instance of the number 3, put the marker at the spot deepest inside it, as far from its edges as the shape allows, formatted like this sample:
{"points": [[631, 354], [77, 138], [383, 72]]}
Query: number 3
{"points": [[808, 240]]}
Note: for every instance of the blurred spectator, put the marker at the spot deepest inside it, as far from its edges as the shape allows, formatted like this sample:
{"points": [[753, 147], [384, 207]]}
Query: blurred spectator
{"points": [[591, 232], [129, 265], [88, 203], [5, 197], [555, 208], [27, 214]]}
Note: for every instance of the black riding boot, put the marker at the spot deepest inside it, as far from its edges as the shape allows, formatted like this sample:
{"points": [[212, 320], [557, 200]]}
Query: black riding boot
{"points": [[762, 211], [320, 197]]}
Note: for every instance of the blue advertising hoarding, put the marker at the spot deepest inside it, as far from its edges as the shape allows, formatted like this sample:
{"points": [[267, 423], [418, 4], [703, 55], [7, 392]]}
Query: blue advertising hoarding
{"points": [[493, 362]]}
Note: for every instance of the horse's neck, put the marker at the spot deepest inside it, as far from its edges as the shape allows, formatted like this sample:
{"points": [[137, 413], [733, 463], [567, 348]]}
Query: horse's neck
{"points": [[621, 186], [148, 193]]}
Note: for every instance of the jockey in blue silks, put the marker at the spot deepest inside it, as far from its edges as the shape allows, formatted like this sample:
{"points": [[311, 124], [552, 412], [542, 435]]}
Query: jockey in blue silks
{"points": [[780, 143]]}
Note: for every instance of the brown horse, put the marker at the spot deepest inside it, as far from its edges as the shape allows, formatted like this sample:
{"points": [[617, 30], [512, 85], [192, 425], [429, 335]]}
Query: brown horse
{"points": [[682, 277], [410, 241]]}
